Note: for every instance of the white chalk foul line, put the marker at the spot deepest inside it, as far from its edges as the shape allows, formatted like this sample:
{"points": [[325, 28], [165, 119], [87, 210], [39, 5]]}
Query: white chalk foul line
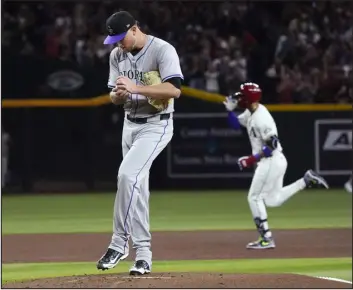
{"points": [[335, 279], [119, 282], [155, 277]]}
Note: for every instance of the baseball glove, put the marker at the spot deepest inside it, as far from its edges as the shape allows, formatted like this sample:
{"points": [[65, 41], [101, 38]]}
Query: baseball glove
{"points": [[153, 78]]}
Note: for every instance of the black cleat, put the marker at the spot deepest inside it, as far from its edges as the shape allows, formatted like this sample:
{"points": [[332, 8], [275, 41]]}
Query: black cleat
{"points": [[110, 259], [140, 267], [311, 178]]}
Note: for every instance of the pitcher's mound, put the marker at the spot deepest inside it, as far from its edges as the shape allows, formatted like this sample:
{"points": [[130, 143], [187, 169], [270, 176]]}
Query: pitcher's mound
{"points": [[182, 280]]}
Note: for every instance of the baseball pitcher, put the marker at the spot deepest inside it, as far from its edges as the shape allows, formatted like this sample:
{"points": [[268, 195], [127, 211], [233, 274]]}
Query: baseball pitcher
{"points": [[267, 184], [145, 77]]}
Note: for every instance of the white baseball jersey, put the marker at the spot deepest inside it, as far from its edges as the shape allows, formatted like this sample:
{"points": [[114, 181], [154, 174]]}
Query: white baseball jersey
{"points": [[260, 126], [156, 55]]}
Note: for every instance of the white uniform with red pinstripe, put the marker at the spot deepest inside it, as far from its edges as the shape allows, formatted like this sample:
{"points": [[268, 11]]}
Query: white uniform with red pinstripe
{"points": [[141, 144]]}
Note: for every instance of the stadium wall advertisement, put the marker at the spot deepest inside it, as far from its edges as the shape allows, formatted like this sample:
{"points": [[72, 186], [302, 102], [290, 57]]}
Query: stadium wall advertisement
{"points": [[70, 149]]}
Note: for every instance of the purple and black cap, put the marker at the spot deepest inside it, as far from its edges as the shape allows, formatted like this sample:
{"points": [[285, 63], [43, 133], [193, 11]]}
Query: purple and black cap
{"points": [[118, 25]]}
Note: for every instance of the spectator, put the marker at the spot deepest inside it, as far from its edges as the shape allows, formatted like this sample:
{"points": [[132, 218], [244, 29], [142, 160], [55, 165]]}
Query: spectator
{"points": [[293, 51], [211, 78]]}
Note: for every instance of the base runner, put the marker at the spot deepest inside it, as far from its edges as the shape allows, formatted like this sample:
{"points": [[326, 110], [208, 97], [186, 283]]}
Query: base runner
{"points": [[267, 184]]}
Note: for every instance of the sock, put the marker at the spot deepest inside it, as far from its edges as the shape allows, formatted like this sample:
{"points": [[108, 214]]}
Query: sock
{"points": [[262, 228]]}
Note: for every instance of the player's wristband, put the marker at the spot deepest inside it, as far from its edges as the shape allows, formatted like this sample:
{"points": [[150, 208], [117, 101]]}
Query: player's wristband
{"points": [[257, 157], [233, 120], [267, 151]]}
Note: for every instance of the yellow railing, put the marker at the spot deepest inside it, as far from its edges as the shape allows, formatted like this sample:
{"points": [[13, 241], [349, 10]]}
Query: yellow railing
{"points": [[27, 103], [186, 91]]}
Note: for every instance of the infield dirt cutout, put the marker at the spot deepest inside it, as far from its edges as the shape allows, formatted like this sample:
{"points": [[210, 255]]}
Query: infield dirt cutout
{"points": [[167, 246]]}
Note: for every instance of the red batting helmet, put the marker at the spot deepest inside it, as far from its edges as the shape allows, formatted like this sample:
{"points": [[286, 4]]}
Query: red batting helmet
{"points": [[249, 93]]}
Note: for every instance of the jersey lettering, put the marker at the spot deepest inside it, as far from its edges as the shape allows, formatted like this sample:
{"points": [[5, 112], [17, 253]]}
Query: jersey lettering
{"points": [[132, 75], [252, 132]]}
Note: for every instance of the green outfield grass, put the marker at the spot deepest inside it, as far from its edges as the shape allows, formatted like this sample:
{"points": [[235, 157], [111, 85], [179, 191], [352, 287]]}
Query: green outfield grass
{"points": [[172, 211], [331, 267], [177, 211]]}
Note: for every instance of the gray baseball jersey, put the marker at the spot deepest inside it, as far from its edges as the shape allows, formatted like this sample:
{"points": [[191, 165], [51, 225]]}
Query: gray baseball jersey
{"points": [[158, 55]]}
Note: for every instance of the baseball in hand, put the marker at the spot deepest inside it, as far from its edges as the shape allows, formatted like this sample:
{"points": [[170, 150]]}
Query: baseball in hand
{"points": [[126, 84], [118, 96], [121, 93]]}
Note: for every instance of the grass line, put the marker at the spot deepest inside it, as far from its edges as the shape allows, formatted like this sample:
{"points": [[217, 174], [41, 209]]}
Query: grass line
{"points": [[332, 267]]}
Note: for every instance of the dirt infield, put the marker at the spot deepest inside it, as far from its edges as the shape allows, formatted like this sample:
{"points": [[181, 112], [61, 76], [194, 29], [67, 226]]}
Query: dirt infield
{"points": [[185, 280], [180, 246]]}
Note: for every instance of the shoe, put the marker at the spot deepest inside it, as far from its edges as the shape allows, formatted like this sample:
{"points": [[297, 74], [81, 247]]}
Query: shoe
{"points": [[140, 267], [261, 244], [312, 178], [110, 259]]}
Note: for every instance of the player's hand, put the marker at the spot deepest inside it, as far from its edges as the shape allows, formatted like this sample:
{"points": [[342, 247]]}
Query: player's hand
{"points": [[118, 96], [124, 83], [246, 162], [230, 103]]}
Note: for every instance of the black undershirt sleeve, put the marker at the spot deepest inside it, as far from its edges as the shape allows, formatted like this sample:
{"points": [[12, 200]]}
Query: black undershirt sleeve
{"points": [[176, 82]]}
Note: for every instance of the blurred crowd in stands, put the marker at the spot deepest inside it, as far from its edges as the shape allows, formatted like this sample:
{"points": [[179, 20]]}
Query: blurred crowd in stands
{"points": [[299, 52]]}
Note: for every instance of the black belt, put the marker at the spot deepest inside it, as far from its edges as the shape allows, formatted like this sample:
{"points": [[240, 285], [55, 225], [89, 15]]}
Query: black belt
{"points": [[144, 120]]}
